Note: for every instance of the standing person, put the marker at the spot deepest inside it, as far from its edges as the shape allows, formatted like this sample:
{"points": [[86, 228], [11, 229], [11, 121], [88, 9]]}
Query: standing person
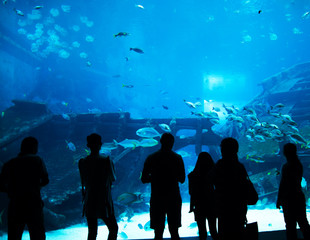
{"points": [[164, 169], [22, 178], [97, 174], [229, 178], [202, 201], [290, 195]]}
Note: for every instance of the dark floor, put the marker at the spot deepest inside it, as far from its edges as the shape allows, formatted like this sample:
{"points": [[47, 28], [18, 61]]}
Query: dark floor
{"points": [[274, 235]]}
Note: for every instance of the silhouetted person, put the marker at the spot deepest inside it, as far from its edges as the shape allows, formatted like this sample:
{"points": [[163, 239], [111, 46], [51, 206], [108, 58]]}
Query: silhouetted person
{"points": [[164, 169], [202, 201], [290, 195], [22, 178], [97, 174], [229, 177]]}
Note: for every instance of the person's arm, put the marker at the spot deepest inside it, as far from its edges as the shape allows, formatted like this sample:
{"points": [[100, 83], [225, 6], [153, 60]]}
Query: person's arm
{"points": [[181, 171], [280, 192], [82, 176], [146, 172], [4, 176], [44, 175], [113, 175]]}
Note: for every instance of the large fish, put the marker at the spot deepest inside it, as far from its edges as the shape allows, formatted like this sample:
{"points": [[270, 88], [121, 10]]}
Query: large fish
{"points": [[129, 143], [148, 142], [147, 132]]}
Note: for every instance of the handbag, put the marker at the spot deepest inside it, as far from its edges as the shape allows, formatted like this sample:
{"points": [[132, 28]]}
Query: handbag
{"points": [[251, 231], [251, 195]]}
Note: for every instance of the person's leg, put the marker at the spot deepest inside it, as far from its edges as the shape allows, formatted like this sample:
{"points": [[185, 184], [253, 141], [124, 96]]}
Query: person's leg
{"points": [[15, 230], [158, 233], [303, 222], [212, 227], [174, 218], [157, 218], [290, 223], [35, 224], [92, 223], [16, 223], [202, 229], [112, 226], [174, 232]]}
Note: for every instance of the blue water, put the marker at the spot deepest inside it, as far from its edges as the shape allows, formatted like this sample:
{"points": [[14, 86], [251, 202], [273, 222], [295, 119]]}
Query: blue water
{"points": [[185, 43], [65, 54]]}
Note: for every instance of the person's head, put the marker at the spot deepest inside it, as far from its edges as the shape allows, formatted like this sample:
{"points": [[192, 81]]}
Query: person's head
{"points": [[167, 141], [94, 142], [204, 162], [29, 145], [229, 147], [290, 151]]}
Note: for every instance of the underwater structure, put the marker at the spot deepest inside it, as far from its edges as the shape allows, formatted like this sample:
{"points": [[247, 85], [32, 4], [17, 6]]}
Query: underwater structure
{"points": [[62, 140]]}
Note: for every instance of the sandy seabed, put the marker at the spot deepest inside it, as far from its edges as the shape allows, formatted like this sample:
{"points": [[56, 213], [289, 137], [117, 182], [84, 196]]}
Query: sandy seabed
{"points": [[268, 220]]}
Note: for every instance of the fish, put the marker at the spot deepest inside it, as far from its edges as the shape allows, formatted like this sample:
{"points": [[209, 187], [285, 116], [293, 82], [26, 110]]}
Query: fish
{"points": [[64, 103], [259, 11], [140, 226], [298, 139], [139, 6], [165, 107], [205, 130], [254, 159], [87, 151], [88, 64], [277, 115], [217, 109], [305, 15], [94, 110], [147, 132], [147, 226], [106, 148], [164, 127], [137, 50], [286, 118], [190, 104], [127, 86], [148, 142], [211, 115], [38, 7], [121, 34], [128, 143], [250, 110], [214, 121], [19, 12], [235, 118], [123, 235], [71, 146], [198, 114], [229, 110], [183, 153], [2, 114], [197, 104], [278, 106], [192, 225], [129, 198], [251, 117], [65, 116], [259, 138]]}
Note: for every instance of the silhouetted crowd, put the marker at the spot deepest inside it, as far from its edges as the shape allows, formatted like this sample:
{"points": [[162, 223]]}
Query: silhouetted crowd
{"points": [[220, 192]]}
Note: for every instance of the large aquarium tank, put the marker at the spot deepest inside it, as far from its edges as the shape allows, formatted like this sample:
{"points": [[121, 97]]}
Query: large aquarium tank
{"points": [[131, 70]]}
